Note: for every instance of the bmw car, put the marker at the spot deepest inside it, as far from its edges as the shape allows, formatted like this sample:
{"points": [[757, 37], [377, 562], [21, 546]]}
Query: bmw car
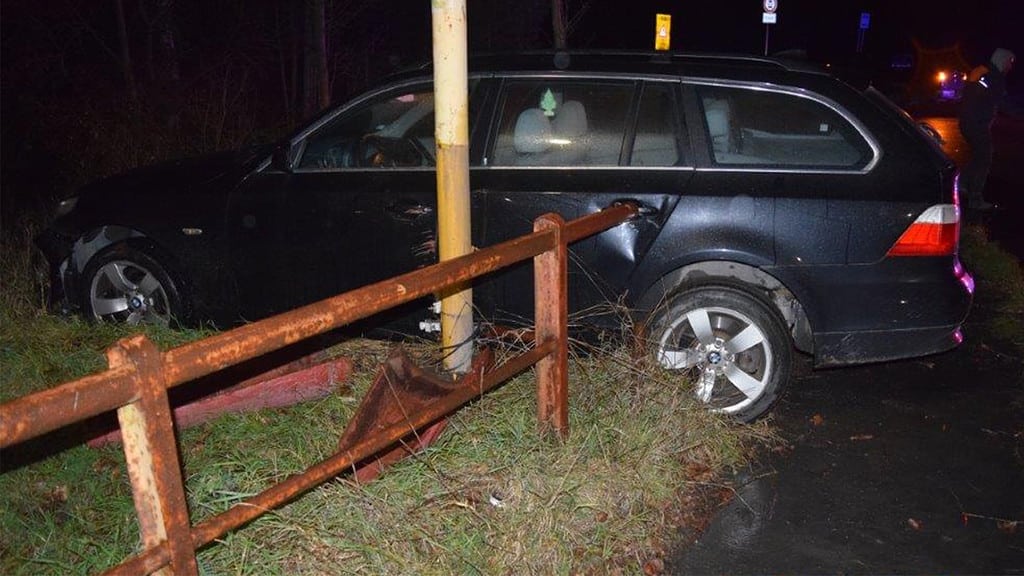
{"points": [[782, 211]]}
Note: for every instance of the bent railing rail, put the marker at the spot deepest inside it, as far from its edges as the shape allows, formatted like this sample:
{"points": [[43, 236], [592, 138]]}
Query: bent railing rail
{"points": [[139, 376]]}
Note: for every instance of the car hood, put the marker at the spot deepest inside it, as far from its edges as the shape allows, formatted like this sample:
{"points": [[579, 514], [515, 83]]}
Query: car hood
{"points": [[178, 176]]}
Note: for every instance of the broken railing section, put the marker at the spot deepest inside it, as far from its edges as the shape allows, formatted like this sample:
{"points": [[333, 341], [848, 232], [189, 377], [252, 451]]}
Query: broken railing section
{"points": [[139, 376], [310, 377], [400, 389]]}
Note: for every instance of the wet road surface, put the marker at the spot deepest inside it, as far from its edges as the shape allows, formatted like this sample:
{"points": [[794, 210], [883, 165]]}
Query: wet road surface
{"points": [[900, 468], [908, 468]]}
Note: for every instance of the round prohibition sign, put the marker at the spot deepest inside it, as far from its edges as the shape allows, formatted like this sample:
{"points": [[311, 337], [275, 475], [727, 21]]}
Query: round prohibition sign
{"points": [[771, 5]]}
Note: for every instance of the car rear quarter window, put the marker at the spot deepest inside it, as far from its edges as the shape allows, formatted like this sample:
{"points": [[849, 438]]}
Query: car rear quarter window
{"points": [[561, 122], [762, 128]]}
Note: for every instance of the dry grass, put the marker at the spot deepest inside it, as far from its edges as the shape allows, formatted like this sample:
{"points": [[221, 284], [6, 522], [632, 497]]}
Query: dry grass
{"points": [[492, 496]]}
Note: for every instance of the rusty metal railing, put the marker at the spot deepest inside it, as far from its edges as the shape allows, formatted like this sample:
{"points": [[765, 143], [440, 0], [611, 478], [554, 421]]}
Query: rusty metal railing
{"points": [[139, 376]]}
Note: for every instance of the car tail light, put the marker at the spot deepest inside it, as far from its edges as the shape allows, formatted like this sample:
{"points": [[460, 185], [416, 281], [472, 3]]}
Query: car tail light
{"points": [[936, 232]]}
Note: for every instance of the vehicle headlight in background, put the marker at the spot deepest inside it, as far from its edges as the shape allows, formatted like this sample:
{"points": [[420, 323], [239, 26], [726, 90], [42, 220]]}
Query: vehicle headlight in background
{"points": [[66, 205]]}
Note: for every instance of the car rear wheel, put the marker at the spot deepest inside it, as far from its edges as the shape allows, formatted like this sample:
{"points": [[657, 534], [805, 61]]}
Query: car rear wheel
{"points": [[122, 283], [732, 343]]}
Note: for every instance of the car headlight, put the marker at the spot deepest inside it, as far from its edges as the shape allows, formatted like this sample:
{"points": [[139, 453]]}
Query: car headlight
{"points": [[66, 205]]}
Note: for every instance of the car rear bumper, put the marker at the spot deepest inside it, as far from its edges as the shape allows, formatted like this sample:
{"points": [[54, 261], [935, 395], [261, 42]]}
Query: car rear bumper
{"points": [[896, 308], [843, 348]]}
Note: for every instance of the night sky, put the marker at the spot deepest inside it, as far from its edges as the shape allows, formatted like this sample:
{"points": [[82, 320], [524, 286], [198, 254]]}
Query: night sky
{"points": [[825, 28], [822, 27], [400, 31], [64, 94]]}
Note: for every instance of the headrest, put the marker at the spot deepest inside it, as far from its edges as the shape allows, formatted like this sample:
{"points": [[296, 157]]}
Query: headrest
{"points": [[532, 133], [717, 114], [571, 120]]}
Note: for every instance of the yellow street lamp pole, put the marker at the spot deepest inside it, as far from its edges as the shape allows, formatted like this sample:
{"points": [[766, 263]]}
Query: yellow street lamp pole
{"points": [[451, 126]]}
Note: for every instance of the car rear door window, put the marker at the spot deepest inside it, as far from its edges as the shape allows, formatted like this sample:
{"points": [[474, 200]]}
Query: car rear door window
{"points": [[764, 128], [656, 142], [561, 122]]}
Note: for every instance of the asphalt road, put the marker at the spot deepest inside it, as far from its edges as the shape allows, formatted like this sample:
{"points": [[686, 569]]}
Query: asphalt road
{"points": [[900, 468]]}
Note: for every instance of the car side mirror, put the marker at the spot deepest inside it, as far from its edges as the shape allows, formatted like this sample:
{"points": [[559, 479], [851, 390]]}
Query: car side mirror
{"points": [[281, 160]]}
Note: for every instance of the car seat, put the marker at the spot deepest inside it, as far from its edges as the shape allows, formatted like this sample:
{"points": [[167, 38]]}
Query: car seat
{"points": [[532, 134], [716, 112]]}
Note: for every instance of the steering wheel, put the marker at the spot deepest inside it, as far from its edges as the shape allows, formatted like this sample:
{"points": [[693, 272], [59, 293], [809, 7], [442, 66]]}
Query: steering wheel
{"points": [[379, 151]]}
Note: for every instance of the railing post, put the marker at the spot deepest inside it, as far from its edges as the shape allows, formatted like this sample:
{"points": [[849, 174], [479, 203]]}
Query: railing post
{"points": [[550, 271], [151, 452]]}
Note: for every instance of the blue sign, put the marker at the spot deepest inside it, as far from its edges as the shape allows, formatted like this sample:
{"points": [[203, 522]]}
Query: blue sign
{"points": [[865, 20]]}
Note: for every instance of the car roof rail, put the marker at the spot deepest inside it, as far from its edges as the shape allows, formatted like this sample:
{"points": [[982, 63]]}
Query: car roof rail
{"points": [[788, 61], [650, 56]]}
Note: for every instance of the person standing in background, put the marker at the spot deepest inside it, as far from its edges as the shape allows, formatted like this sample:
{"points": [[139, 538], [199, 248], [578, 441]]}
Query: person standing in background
{"points": [[986, 87]]}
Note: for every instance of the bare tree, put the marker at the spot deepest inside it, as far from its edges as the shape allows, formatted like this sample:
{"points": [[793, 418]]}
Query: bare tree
{"points": [[287, 55], [559, 24], [316, 82], [161, 42], [126, 56]]}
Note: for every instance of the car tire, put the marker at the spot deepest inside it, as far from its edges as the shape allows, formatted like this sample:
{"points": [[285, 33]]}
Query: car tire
{"points": [[731, 341], [124, 284]]}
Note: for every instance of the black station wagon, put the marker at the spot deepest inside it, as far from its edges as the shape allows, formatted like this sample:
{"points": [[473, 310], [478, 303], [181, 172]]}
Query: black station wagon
{"points": [[781, 209]]}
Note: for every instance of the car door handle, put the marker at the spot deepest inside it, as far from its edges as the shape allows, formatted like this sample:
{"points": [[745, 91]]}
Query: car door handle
{"points": [[642, 210], [408, 210]]}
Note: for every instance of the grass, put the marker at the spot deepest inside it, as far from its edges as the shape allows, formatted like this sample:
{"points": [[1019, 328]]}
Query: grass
{"points": [[1000, 279], [491, 496]]}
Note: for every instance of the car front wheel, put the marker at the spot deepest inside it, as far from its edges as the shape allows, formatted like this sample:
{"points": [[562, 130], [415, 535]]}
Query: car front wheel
{"points": [[732, 343], [122, 283]]}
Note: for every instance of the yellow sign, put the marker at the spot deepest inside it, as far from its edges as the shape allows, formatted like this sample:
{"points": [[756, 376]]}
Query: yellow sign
{"points": [[662, 31]]}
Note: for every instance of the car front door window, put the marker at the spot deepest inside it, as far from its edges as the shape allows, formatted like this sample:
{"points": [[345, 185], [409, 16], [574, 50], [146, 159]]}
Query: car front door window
{"points": [[396, 131]]}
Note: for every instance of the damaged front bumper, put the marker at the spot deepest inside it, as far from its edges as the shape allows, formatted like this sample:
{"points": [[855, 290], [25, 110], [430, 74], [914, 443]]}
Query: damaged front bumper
{"points": [[57, 248]]}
